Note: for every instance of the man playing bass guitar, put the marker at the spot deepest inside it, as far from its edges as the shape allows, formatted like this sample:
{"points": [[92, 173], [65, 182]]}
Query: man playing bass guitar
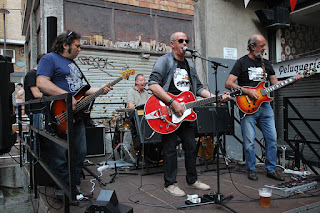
{"points": [[249, 71], [58, 74]]}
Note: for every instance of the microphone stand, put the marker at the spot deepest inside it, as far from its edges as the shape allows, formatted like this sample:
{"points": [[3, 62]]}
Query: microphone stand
{"points": [[214, 198]]}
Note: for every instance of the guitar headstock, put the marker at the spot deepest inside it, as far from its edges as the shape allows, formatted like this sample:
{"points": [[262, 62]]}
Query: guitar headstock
{"points": [[125, 74], [309, 72], [236, 92]]}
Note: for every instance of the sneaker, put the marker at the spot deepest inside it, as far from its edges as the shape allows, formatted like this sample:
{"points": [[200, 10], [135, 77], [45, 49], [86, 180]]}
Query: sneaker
{"points": [[252, 175], [174, 190], [199, 185], [275, 176]]}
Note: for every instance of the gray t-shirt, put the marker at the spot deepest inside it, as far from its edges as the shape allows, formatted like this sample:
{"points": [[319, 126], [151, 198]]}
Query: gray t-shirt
{"points": [[136, 97]]}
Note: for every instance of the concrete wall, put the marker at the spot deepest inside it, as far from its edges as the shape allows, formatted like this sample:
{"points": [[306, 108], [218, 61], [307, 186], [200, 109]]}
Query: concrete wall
{"points": [[220, 24], [51, 8]]}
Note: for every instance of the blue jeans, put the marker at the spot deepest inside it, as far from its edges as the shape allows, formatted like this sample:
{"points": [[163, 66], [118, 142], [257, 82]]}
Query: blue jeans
{"points": [[264, 118], [59, 155], [186, 134]]}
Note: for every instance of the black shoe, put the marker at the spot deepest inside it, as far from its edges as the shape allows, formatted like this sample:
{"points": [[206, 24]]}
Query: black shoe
{"points": [[275, 176], [252, 175]]}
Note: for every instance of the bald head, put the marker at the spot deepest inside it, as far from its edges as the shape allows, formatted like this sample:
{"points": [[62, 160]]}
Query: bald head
{"points": [[175, 35]]}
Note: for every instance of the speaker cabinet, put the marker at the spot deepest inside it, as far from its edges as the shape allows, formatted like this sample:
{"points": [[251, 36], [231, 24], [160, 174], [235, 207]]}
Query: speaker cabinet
{"points": [[140, 129], [107, 202], [7, 116], [51, 31], [95, 141], [211, 120]]}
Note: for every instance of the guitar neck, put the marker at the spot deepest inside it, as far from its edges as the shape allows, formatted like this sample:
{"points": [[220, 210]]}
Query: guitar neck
{"points": [[280, 85], [201, 102], [91, 97]]}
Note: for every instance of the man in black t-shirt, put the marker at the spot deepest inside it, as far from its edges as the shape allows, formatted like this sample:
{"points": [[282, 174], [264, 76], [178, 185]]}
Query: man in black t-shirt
{"points": [[250, 70], [33, 92], [175, 74]]}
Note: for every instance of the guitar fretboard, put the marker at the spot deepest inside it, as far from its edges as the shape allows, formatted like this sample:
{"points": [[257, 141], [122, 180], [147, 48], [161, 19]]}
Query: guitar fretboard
{"points": [[202, 102], [280, 85], [87, 100]]}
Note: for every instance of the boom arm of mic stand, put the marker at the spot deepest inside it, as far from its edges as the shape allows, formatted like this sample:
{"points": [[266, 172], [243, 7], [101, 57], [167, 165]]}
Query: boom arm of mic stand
{"points": [[211, 61]]}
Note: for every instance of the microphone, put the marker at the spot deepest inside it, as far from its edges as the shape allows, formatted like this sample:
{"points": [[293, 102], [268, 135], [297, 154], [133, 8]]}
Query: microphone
{"points": [[188, 49]]}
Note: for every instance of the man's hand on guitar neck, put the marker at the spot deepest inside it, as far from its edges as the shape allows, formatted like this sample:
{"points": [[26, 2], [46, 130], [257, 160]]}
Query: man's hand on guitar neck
{"points": [[94, 89]]}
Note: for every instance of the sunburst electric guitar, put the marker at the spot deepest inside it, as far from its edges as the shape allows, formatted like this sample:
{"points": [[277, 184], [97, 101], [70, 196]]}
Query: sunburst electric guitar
{"points": [[250, 106], [161, 117], [58, 107]]}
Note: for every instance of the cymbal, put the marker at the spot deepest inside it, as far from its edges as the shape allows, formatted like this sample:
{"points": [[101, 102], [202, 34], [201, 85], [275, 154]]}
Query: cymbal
{"points": [[125, 110]]}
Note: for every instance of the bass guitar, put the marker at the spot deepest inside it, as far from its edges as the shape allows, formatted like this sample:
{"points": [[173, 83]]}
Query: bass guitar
{"points": [[249, 106], [58, 107], [161, 117]]}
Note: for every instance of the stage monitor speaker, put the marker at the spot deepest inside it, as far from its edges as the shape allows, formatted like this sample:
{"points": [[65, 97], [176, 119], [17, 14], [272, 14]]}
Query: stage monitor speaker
{"points": [[211, 120], [95, 141], [107, 201], [140, 129], [51, 31], [7, 116]]}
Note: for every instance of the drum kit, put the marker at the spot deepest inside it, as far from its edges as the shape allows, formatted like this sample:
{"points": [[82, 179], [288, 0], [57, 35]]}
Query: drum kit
{"points": [[124, 123]]}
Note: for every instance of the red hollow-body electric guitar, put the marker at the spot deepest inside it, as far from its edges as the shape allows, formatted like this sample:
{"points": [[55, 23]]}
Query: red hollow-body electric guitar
{"points": [[161, 117], [250, 106], [58, 107]]}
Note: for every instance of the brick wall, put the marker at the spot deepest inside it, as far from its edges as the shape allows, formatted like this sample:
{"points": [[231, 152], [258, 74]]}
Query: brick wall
{"points": [[177, 6]]}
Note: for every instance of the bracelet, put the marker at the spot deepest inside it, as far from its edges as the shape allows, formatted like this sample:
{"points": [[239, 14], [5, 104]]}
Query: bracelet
{"points": [[170, 102]]}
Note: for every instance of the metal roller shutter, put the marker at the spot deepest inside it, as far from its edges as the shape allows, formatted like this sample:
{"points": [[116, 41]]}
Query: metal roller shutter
{"points": [[308, 105], [101, 66]]}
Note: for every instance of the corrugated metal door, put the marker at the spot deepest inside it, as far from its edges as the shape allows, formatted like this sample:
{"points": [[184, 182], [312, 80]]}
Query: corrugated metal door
{"points": [[308, 105], [101, 66]]}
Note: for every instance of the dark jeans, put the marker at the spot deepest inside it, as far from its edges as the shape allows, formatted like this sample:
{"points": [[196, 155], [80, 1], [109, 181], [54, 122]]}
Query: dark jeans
{"points": [[59, 155], [186, 134]]}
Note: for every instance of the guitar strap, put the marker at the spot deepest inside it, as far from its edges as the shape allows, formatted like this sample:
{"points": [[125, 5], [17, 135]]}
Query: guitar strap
{"points": [[264, 69], [84, 77]]}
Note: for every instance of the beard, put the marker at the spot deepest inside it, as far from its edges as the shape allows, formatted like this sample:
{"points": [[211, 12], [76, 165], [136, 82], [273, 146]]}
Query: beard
{"points": [[258, 54]]}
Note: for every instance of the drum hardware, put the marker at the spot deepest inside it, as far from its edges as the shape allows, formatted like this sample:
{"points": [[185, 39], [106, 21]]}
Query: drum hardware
{"points": [[125, 110], [120, 128]]}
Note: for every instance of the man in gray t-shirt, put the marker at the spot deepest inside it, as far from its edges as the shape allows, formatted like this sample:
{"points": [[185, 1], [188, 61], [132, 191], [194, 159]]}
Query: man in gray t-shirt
{"points": [[137, 95]]}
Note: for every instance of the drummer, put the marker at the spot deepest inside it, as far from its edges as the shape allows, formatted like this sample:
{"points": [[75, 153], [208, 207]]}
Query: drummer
{"points": [[137, 95]]}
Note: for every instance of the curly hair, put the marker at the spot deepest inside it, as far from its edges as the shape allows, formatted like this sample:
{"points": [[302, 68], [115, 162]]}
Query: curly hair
{"points": [[67, 38]]}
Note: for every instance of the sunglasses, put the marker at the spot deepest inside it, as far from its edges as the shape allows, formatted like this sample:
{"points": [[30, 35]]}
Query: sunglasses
{"points": [[182, 40], [69, 34]]}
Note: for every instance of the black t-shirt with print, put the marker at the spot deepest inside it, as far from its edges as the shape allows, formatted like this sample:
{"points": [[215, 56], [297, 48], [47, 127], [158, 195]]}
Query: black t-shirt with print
{"points": [[181, 79], [250, 72]]}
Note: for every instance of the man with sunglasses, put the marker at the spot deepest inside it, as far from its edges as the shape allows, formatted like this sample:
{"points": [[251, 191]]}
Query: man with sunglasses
{"points": [[173, 73], [58, 74]]}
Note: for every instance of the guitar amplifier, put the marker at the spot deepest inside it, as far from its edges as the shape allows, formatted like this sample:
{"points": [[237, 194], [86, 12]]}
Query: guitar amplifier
{"points": [[95, 141], [140, 129], [212, 120]]}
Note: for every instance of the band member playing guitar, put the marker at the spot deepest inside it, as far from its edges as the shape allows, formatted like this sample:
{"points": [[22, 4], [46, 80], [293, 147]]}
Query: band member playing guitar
{"points": [[174, 74], [58, 74], [249, 71]]}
